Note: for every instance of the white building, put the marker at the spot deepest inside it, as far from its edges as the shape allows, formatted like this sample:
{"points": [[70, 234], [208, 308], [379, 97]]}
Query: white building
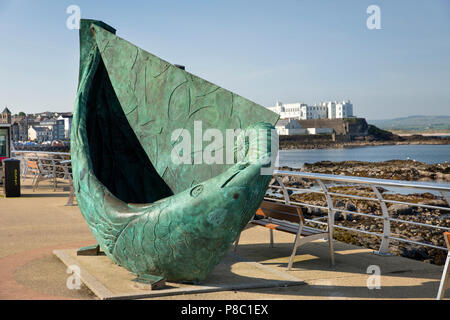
{"points": [[67, 124], [289, 127], [299, 111], [344, 109], [338, 110], [325, 110], [320, 130]]}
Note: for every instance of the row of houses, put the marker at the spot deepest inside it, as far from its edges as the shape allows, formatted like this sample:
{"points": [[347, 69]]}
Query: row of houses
{"points": [[39, 127]]}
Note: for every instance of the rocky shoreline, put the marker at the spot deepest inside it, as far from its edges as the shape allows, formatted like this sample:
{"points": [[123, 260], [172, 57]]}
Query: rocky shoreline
{"points": [[409, 170], [286, 144], [398, 170]]}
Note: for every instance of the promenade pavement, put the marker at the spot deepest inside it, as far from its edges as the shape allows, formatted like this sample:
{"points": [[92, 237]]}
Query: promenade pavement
{"points": [[38, 222]]}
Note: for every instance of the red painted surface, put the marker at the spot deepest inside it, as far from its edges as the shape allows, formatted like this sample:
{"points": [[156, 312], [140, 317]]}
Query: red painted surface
{"points": [[10, 289], [3, 158]]}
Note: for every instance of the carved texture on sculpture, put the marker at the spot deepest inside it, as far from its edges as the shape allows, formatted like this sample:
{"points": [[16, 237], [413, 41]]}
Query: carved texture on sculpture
{"points": [[148, 214]]}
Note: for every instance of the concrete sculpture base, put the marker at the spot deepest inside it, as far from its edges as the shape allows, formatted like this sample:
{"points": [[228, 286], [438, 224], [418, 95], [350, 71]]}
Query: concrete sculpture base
{"points": [[110, 281]]}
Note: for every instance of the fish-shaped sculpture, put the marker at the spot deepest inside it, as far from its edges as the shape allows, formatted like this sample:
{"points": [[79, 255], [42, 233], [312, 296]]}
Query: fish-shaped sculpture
{"points": [[149, 214]]}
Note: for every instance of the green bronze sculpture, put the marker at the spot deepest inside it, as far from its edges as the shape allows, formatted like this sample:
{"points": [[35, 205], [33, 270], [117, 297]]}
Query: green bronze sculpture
{"points": [[150, 214]]}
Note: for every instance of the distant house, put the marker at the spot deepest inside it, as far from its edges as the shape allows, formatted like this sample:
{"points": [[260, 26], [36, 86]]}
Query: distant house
{"points": [[56, 126], [67, 118], [40, 134], [289, 127], [19, 127], [6, 116]]}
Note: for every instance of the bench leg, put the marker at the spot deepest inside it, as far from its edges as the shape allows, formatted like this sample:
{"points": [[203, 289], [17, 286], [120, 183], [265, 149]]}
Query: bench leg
{"points": [[294, 251], [444, 281], [33, 181], [271, 238], [36, 182], [71, 196], [296, 243]]}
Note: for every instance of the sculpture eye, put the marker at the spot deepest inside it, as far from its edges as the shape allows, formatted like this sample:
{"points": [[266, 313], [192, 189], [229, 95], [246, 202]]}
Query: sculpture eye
{"points": [[236, 195], [195, 192]]}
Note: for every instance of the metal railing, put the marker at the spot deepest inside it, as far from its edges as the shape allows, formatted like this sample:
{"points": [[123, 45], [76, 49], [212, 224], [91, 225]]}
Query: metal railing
{"points": [[374, 184], [59, 159], [46, 165], [50, 163]]}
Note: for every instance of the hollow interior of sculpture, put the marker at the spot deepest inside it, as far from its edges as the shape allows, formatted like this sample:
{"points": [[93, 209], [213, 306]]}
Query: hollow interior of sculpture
{"points": [[118, 159]]}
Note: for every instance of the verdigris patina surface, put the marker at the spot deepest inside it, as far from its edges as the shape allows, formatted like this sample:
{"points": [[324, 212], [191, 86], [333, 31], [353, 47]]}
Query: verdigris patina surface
{"points": [[149, 214]]}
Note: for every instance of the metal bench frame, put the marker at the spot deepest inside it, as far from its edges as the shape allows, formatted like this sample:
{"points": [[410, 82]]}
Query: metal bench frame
{"points": [[41, 166], [66, 164], [284, 222]]}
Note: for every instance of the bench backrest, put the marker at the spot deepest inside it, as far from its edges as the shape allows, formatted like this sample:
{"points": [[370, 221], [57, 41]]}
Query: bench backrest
{"points": [[32, 164], [280, 211]]}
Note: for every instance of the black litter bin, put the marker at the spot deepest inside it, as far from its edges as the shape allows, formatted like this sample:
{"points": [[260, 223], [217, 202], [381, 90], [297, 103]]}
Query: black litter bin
{"points": [[11, 177]]}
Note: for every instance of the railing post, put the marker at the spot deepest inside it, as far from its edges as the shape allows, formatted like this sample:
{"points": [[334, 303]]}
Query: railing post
{"points": [[384, 246], [286, 200], [330, 219], [446, 197], [285, 192], [54, 173]]}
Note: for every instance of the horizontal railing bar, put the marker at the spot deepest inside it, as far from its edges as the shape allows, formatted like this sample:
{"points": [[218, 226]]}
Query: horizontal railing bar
{"points": [[418, 243], [309, 205], [358, 213], [372, 181], [302, 189], [352, 196], [365, 214], [298, 203], [384, 200], [380, 235], [46, 152], [316, 222], [276, 187], [359, 230], [419, 224], [391, 237], [418, 205], [368, 199]]}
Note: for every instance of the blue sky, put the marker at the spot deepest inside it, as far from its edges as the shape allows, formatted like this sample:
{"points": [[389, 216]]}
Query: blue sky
{"points": [[292, 51]]}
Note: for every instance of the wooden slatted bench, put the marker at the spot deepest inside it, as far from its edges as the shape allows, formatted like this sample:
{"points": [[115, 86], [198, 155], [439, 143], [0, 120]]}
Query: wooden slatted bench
{"points": [[287, 218], [446, 273]]}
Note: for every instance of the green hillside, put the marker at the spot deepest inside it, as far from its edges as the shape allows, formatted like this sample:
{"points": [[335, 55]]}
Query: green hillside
{"points": [[414, 123]]}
